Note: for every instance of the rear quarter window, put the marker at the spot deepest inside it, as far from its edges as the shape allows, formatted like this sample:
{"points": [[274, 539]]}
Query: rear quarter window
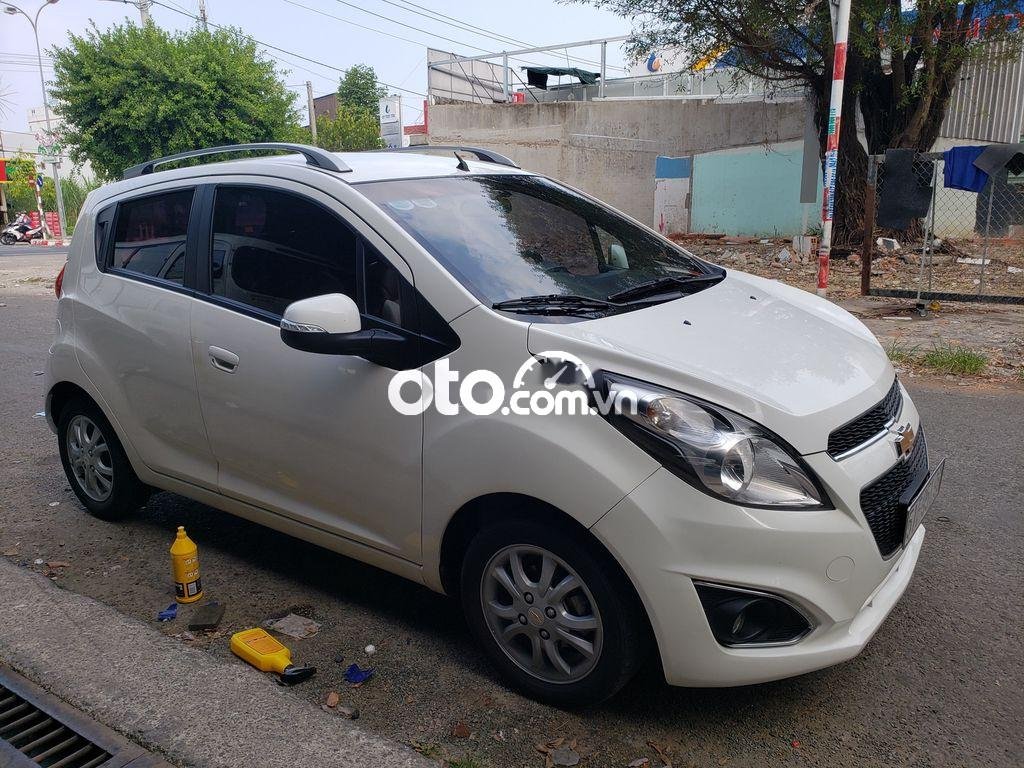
{"points": [[150, 233]]}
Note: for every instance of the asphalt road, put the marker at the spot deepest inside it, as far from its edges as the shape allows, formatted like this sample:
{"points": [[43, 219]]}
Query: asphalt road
{"points": [[30, 250], [940, 685]]}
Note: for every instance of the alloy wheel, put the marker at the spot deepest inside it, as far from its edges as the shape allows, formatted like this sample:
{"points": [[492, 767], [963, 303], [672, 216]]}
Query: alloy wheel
{"points": [[541, 614], [89, 458]]}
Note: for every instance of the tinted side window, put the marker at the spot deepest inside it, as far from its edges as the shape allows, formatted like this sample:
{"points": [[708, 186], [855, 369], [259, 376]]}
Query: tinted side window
{"points": [[150, 235], [272, 248], [384, 290]]}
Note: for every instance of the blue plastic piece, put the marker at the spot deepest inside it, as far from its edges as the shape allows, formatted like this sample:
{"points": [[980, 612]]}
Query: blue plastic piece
{"points": [[168, 613], [356, 675]]}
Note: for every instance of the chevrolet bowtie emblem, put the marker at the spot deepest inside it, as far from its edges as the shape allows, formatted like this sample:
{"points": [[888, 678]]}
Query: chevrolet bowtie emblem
{"points": [[904, 440]]}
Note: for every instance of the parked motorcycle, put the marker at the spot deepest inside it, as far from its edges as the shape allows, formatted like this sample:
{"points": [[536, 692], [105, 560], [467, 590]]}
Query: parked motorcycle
{"points": [[13, 234]]}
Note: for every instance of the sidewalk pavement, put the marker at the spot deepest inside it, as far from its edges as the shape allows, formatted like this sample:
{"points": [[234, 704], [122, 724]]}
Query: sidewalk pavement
{"points": [[193, 708]]}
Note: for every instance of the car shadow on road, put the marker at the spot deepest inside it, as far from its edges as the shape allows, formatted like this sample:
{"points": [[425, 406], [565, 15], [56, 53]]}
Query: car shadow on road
{"points": [[310, 568], [323, 574]]}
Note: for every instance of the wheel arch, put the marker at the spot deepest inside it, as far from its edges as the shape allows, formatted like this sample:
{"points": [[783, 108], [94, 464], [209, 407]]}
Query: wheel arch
{"points": [[63, 392], [488, 509]]}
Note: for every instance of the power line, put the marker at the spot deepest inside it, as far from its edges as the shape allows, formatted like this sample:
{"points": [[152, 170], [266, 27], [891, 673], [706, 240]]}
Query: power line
{"points": [[282, 50], [354, 23], [392, 34], [476, 29]]}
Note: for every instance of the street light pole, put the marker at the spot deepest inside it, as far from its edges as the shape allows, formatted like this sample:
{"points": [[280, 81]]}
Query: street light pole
{"points": [[12, 10]]}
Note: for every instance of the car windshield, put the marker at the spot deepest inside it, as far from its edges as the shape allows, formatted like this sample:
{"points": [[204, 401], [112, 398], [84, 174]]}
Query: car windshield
{"points": [[507, 237]]}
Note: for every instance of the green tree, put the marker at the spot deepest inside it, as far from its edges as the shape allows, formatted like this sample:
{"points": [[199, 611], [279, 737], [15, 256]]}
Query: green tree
{"points": [[20, 188], [354, 129], [358, 88], [74, 189], [128, 94], [903, 63]]}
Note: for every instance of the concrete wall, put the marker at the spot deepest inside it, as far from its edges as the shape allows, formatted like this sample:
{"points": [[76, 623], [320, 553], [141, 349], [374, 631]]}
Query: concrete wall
{"points": [[609, 148], [752, 191]]}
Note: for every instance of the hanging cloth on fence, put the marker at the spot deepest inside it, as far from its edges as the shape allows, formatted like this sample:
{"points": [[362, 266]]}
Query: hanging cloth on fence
{"points": [[959, 170], [906, 191], [538, 76], [998, 156]]}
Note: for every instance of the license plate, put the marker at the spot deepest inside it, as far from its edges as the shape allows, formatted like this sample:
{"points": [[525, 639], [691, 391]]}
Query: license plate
{"points": [[917, 508]]}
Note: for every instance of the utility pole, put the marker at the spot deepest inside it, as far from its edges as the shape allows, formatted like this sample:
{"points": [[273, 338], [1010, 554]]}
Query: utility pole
{"points": [[202, 15], [312, 110], [841, 31], [12, 10], [144, 12]]}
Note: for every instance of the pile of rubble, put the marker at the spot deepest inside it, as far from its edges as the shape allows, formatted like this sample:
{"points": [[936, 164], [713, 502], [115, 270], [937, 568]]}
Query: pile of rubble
{"points": [[949, 266]]}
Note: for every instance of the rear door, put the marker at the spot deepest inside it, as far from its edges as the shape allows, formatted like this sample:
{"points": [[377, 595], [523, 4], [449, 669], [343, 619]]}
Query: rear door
{"points": [[132, 327], [312, 437]]}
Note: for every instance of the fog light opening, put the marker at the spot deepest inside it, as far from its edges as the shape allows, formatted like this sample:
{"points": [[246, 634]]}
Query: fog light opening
{"points": [[740, 617]]}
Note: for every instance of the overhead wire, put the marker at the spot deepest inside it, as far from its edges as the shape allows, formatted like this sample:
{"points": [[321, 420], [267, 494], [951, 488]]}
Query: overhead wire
{"points": [[279, 49]]}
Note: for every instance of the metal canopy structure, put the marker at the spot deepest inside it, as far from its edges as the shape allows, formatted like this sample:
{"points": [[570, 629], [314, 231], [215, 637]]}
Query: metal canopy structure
{"points": [[493, 82]]}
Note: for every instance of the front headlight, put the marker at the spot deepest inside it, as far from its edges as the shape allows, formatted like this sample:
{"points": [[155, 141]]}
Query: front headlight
{"points": [[716, 451]]}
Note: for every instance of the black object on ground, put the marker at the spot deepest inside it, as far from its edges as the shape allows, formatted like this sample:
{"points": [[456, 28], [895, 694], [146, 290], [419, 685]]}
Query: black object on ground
{"points": [[293, 674], [207, 617]]}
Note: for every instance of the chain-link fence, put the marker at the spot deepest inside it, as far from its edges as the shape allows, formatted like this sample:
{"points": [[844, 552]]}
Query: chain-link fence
{"points": [[956, 245]]}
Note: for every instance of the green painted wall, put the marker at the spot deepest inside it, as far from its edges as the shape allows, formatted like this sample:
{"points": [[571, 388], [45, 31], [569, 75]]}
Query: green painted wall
{"points": [[751, 192]]}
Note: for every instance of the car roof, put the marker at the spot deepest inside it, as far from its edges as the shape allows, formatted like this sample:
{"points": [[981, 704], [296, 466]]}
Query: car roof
{"points": [[383, 166], [364, 167]]}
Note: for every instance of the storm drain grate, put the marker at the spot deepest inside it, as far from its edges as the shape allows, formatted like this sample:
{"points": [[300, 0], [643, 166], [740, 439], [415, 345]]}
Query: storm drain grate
{"points": [[43, 739], [37, 729]]}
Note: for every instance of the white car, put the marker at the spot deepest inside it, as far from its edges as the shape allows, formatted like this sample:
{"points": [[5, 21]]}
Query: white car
{"points": [[366, 351]]}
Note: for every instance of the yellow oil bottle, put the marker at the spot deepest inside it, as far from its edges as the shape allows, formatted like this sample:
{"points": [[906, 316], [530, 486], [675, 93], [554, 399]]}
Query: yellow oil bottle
{"points": [[188, 587], [264, 652]]}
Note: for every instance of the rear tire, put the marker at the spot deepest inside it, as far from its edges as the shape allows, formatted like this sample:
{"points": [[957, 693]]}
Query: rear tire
{"points": [[95, 462], [553, 612]]}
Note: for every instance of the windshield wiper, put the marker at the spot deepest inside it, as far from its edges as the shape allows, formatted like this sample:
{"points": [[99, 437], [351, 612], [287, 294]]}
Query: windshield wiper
{"points": [[555, 304], [662, 285]]}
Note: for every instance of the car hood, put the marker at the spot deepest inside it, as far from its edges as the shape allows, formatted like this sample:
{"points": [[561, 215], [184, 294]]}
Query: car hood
{"points": [[795, 363]]}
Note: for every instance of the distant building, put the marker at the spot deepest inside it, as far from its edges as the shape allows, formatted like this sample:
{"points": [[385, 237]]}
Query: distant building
{"points": [[326, 106]]}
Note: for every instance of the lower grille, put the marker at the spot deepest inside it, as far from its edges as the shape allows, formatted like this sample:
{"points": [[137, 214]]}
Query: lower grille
{"points": [[883, 502]]}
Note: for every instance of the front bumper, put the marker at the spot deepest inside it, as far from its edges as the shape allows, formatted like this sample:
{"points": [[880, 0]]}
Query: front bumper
{"points": [[667, 535]]}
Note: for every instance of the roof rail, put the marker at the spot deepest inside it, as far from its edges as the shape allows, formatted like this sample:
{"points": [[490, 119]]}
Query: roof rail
{"points": [[315, 156], [486, 155]]}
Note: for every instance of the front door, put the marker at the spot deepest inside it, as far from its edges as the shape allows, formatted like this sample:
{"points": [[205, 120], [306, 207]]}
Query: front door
{"points": [[308, 436]]}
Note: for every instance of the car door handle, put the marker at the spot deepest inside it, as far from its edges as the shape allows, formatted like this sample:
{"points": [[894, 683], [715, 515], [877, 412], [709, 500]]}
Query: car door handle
{"points": [[224, 359]]}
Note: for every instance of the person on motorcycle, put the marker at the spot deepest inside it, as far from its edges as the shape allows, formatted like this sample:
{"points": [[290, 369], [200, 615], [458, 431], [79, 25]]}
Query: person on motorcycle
{"points": [[23, 222]]}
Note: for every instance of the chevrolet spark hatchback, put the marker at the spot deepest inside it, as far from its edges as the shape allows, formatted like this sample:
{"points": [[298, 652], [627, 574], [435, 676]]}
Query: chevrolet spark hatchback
{"points": [[229, 332]]}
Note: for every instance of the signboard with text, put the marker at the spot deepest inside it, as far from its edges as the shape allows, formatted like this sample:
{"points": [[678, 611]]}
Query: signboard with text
{"points": [[390, 113]]}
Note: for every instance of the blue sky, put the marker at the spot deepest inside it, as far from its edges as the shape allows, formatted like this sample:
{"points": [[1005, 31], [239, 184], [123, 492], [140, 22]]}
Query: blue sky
{"points": [[318, 36]]}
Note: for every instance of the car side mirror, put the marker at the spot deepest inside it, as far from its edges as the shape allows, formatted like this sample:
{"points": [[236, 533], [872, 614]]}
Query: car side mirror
{"points": [[331, 325], [332, 314]]}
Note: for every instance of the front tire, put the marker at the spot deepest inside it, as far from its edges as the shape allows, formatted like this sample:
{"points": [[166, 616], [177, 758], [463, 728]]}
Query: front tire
{"points": [[552, 611], [8, 239], [95, 462]]}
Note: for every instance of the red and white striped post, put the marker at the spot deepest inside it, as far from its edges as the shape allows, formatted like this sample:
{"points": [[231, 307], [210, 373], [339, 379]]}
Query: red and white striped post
{"points": [[841, 25]]}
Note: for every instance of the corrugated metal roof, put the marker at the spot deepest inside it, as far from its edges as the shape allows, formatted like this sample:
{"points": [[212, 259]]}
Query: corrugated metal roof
{"points": [[988, 102]]}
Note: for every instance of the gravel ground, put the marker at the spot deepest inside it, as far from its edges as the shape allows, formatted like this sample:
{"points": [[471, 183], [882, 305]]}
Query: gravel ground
{"points": [[775, 258], [939, 685]]}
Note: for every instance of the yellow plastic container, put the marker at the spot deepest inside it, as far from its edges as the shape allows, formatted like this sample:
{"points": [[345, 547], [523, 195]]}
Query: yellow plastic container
{"points": [[265, 653], [188, 586], [260, 649]]}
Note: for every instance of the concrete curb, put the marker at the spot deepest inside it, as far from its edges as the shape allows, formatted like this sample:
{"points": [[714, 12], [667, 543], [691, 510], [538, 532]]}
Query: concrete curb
{"points": [[194, 708]]}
